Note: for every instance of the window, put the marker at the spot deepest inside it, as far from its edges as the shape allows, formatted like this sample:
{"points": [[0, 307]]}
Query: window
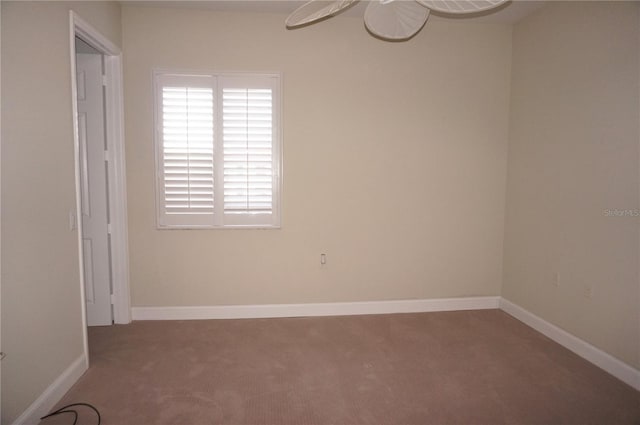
{"points": [[217, 150]]}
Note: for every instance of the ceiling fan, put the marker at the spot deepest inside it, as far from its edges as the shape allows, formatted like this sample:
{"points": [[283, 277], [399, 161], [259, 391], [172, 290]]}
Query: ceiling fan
{"points": [[394, 20]]}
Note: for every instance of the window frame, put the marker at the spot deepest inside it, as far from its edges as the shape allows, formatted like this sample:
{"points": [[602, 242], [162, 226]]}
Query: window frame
{"points": [[219, 219]]}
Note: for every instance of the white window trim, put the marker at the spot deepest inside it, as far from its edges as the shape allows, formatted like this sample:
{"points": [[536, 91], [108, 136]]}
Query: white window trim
{"points": [[221, 221]]}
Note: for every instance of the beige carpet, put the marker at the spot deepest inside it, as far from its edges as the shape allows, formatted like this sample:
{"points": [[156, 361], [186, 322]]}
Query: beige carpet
{"points": [[475, 367]]}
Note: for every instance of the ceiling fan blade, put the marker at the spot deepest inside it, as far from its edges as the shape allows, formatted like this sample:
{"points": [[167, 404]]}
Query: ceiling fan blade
{"points": [[395, 20], [316, 10], [461, 6]]}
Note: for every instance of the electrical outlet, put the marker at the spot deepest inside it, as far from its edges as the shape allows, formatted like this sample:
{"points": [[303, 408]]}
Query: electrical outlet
{"points": [[588, 291]]}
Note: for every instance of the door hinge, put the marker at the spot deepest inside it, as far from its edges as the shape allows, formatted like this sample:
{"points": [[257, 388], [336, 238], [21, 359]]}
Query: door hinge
{"points": [[113, 299], [109, 228], [104, 80], [106, 156]]}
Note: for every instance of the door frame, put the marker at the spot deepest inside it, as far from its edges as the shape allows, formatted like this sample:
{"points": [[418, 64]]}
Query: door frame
{"points": [[114, 123]]}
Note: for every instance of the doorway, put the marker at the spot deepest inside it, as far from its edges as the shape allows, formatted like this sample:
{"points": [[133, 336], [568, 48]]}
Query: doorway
{"points": [[97, 97]]}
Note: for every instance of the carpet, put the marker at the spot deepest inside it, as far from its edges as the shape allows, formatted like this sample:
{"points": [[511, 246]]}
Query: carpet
{"points": [[466, 367]]}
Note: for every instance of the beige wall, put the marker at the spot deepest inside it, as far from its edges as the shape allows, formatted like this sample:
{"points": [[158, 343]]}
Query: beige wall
{"points": [[573, 154], [41, 315], [394, 162]]}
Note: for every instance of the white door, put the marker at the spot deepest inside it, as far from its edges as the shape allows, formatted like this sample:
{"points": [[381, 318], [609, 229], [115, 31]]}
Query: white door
{"points": [[93, 175]]}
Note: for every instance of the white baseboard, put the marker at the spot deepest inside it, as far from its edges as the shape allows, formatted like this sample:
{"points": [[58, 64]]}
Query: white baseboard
{"points": [[317, 309], [615, 367], [53, 393]]}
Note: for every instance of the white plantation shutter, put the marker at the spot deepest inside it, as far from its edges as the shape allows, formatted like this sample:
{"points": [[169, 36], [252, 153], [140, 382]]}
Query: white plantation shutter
{"points": [[185, 121], [218, 150], [188, 149], [247, 143]]}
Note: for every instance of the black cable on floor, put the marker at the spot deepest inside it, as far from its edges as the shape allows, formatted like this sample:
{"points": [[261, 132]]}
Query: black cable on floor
{"points": [[75, 412]]}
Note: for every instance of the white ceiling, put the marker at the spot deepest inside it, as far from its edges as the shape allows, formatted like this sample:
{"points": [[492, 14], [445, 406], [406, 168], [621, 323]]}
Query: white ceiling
{"points": [[508, 13]]}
